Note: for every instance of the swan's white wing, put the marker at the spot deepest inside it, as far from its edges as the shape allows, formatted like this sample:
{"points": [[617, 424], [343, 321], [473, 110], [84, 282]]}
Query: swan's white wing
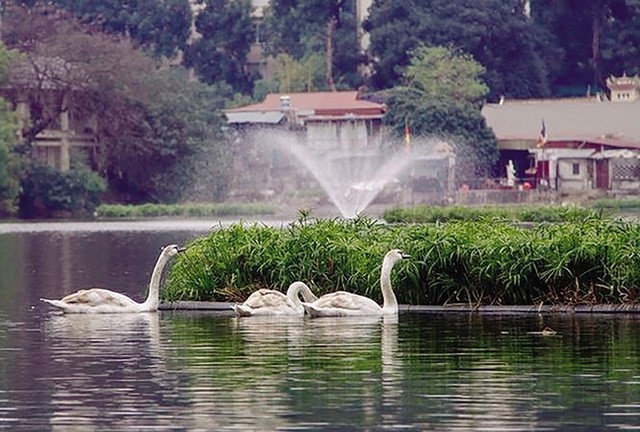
{"points": [[267, 302], [97, 297], [347, 301], [265, 298]]}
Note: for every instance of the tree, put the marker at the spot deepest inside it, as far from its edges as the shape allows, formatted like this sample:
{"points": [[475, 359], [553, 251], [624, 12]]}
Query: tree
{"points": [[303, 28], [220, 54], [621, 44], [162, 27], [10, 159], [65, 66], [291, 75], [440, 71], [173, 147], [442, 98], [595, 37], [503, 41], [148, 126]]}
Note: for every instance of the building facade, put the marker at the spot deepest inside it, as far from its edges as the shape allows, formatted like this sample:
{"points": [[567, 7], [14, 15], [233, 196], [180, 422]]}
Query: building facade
{"points": [[573, 145]]}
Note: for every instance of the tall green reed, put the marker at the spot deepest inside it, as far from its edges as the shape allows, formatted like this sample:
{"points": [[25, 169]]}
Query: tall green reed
{"points": [[488, 261]]}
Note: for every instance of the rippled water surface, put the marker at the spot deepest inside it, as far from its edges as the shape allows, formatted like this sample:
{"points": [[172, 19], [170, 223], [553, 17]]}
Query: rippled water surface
{"points": [[211, 371]]}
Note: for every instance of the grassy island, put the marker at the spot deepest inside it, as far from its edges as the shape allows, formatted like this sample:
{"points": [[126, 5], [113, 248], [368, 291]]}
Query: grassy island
{"points": [[490, 261]]}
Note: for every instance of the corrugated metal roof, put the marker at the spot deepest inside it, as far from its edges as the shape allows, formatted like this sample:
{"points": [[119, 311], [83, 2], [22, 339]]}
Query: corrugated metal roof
{"points": [[269, 117], [565, 119]]}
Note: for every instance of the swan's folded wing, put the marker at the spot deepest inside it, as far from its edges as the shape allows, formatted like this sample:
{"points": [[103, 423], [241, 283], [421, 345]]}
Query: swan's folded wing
{"points": [[265, 298], [96, 296], [345, 300]]}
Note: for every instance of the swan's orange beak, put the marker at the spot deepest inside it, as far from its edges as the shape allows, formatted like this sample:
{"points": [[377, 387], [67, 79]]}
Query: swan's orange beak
{"points": [[181, 249]]}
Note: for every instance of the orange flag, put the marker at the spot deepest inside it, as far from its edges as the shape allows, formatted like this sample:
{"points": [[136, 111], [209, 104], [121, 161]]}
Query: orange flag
{"points": [[407, 135]]}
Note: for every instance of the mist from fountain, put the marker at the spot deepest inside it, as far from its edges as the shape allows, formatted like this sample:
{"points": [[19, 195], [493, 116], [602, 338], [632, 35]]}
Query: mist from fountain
{"points": [[353, 177]]}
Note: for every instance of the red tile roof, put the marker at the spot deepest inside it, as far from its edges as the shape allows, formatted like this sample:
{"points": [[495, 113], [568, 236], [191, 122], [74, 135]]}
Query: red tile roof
{"points": [[319, 104]]}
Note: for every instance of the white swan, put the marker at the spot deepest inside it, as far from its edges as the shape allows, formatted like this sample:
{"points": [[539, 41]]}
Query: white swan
{"points": [[271, 302], [342, 303], [99, 300]]}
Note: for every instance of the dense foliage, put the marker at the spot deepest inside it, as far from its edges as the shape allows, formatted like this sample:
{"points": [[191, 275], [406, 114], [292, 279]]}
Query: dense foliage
{"points": [[157, 131], [518, 213], [170, 145], [433, 62], [302, 28], [440, 97], [504, 41], [220, 54], [588, 261], [10, 159], [46, 191], [161, 27], [563, 46]]}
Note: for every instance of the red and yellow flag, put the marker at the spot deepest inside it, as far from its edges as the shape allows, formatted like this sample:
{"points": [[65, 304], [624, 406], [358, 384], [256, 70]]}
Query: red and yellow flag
{"points": [[542, 138], [407, 135]]}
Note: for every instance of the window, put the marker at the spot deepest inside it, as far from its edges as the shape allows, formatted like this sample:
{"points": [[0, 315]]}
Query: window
{"points": [[576, 169]]}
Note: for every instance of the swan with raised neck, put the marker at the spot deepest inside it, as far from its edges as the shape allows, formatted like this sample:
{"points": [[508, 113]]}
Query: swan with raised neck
{"points": [[100, 300], [272, 302], [342, 303]]}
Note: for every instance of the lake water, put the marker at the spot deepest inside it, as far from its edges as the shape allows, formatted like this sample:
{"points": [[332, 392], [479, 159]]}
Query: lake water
{"points": [[210, 371]]}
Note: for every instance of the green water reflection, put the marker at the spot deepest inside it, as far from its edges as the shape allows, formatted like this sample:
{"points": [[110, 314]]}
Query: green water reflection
{"points": [[205, 371], [423, 371]]}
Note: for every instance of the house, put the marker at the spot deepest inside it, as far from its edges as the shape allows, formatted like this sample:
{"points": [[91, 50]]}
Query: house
{"points": [[45, 89], [576, 144], [318, 122], [294, 143], [326, 119]]}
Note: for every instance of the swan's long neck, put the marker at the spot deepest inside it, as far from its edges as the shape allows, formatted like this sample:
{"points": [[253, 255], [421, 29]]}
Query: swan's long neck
{"points": [[390, 303], [153, 298], [294, 293]]}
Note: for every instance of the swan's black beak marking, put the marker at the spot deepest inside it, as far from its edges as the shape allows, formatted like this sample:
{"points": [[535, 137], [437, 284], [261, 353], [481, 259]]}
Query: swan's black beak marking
{"points": [[182, 249], [405, 255]]}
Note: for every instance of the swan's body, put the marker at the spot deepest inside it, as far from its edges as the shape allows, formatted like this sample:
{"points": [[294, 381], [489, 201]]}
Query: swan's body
{"points": [[342, 303], [100, 300], [271, 302]]}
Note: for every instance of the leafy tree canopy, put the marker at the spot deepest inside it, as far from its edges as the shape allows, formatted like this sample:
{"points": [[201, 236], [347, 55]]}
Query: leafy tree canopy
{"points": [[291, 75], [220, 54], [596, 38], [185, 127], [503, 40], [441, 99], [302, 29], [10, 161], [150, 125], [161, 26], [438, 72], [59, 57]]}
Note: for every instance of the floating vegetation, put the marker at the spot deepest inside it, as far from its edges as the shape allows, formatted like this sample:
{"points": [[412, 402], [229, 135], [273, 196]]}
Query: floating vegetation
{"points": [[485, 262]]}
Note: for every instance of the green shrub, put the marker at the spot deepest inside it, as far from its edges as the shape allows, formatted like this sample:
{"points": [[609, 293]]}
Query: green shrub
{"points": [[45, 191], [520, 213]]}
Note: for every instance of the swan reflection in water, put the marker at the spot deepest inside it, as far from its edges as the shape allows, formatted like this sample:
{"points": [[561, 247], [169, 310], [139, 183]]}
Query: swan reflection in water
{"points": [[105, 369], [268, 335], [307, 355]]}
